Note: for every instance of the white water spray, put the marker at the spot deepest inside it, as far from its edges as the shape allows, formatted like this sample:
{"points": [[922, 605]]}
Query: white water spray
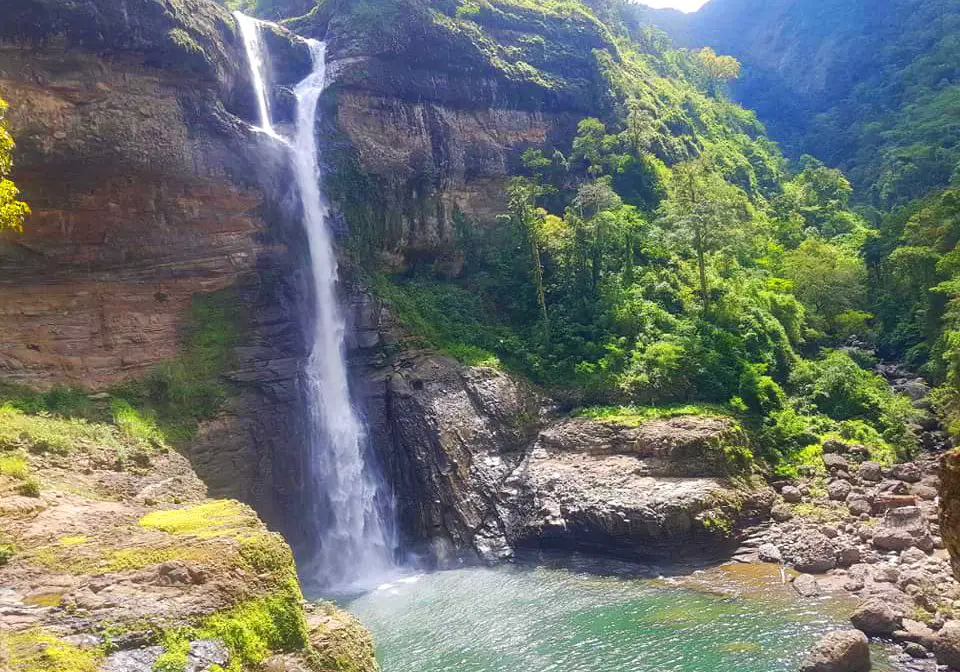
{"points": [[351, 546]]}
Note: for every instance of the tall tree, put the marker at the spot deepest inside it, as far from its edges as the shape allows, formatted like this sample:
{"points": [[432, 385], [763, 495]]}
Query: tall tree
{"points": [[700, 213]]}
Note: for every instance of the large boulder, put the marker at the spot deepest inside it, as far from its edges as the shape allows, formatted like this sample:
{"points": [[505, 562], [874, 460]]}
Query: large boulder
{"points": [[815, 553], [950, 506], [839, 651], [946, 645], [877, 617]]}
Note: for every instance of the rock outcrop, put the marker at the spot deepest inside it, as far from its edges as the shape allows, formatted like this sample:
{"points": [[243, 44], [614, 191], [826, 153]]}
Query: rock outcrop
{"points": [[839, 651], [950, 506], [480, 465], [112, 558]]}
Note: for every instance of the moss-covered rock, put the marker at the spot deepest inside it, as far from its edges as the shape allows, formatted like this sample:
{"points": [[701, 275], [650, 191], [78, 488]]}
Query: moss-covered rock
{"points": [[117, 558], [196, 36]]}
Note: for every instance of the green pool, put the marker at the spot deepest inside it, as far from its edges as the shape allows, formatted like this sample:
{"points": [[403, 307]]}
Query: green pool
{"points": [[538, 619]]}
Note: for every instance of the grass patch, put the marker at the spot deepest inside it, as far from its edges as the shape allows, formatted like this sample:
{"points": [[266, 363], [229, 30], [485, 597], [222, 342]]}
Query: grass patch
{"points": [[253, 630], [634, 416], [219, 518], [39, 651], [14, 466], [174, 397]]}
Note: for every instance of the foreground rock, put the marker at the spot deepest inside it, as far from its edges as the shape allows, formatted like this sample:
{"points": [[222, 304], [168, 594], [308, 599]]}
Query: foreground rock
{"points": [[116, 561], [839, 651], [479, 468]]}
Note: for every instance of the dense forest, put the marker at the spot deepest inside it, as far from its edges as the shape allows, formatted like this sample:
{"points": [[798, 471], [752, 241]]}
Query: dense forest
{"points": [[667, 255]]}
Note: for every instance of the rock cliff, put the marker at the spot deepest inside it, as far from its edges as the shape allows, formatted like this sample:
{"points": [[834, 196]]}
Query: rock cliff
{"points": [[147, 191]]}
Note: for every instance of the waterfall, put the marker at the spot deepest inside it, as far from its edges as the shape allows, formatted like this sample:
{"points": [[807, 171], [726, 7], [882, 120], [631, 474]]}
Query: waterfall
{"points": [[253, 45], [350, 545]]}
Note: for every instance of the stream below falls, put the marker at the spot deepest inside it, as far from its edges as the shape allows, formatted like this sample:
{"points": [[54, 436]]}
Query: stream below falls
{"points": [[549, 619]]}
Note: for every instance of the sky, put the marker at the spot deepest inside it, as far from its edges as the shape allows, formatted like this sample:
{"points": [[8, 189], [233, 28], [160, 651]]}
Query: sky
{"points": [[682, 5]]}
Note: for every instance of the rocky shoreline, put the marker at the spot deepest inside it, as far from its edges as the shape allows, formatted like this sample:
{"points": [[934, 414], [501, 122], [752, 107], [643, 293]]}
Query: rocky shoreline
{"points": [[873, 532]]}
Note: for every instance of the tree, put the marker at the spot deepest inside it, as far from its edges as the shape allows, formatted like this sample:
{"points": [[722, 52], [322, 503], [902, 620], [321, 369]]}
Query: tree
{"points": [[12, 210], [828, 279], [718, 69], [521, 202], [701, 211]]}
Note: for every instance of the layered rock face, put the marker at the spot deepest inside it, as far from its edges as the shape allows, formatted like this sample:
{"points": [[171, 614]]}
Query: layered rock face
{"points": [[146, 191], [431, 116]]}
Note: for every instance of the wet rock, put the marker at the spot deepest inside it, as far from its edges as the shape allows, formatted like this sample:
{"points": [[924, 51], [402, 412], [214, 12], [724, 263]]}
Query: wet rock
{"points": [[806, 586], [815, 554], [915, 650], [871, 471], [769, 553], [877, 617], [839, 651], [791, 494]]}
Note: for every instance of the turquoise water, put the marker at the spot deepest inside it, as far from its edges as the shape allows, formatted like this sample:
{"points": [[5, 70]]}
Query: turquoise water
{"points": [[515, 619]]}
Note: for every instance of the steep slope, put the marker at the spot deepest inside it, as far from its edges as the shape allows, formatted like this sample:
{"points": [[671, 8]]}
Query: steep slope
{"points": [[871, 88]]}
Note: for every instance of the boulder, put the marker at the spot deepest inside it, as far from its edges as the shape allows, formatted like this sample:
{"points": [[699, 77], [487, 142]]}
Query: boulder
{"points": [[848, 555], [946, 645], [877, 617], [791, 494], [859, 505], [770, 553], [908, 472], [839, 490], [871, 471], [815, 554], [834, 462], [839, 651], [806, 586]]}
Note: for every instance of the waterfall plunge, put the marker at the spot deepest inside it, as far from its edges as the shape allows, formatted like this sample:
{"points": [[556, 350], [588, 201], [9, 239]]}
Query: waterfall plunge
{"points": [[351, 546]]}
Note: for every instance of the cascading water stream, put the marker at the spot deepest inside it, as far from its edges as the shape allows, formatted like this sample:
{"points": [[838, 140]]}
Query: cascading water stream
{"points": [[253, 46], [350, 543]]}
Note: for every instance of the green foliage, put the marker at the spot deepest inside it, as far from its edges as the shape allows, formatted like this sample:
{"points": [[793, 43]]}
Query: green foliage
{"points": [[43, 433], [175, 396], [176, 647], [40, 651], [12, 210], [14, 466], [634, 416], [256, 628]]}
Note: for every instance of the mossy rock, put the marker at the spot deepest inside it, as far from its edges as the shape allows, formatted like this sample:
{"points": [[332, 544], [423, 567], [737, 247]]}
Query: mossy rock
{"points": [[339, 642], [197, 36]]}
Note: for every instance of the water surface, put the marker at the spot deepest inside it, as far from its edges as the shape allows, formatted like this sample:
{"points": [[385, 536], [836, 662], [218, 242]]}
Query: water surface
{"points": [[522, 619]]}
